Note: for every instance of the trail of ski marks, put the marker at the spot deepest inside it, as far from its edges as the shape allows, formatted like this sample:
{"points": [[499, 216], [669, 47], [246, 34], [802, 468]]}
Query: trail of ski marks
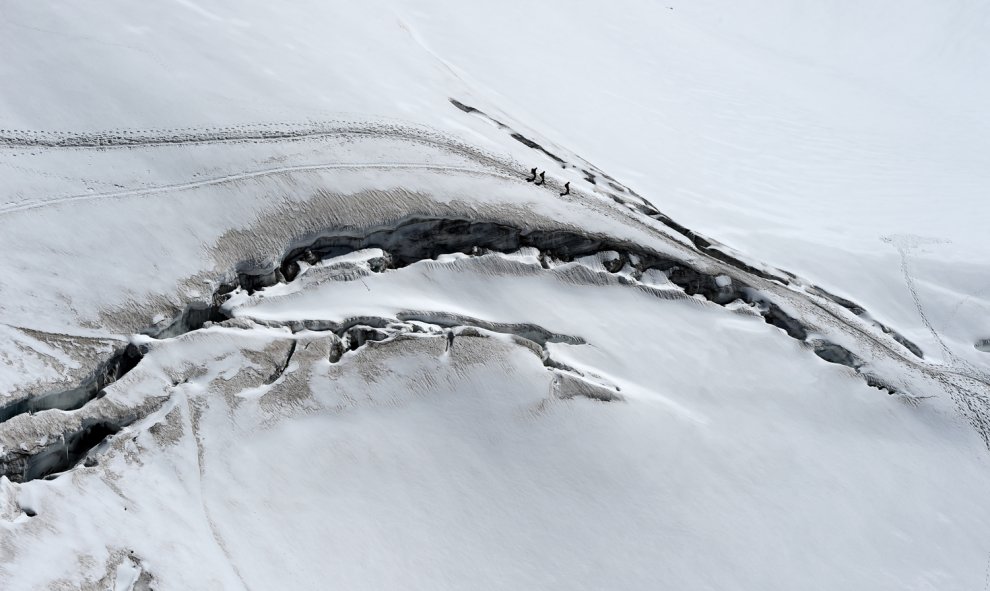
{"points": [[221, 180], [137, 138]]}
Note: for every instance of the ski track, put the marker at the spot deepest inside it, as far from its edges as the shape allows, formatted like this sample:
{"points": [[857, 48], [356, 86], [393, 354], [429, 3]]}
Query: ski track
{"points": [[193, 423], [38, 204], [140, 138], [955, 364], [247, 133]]}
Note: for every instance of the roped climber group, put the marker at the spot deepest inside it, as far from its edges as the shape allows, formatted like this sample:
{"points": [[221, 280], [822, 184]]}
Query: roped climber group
{"points": [[542, 179]]}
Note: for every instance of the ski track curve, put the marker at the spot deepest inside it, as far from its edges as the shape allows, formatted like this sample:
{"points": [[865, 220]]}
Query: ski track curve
{"points": [[230, 178]]}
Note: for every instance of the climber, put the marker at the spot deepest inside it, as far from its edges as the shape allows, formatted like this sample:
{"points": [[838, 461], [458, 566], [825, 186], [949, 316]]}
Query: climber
{"points": [[532, 171], [567, 189], [542, 179]]}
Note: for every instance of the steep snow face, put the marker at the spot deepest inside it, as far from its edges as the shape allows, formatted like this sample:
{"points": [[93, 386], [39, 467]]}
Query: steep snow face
{"points": [[843, 139], [280, 309]]}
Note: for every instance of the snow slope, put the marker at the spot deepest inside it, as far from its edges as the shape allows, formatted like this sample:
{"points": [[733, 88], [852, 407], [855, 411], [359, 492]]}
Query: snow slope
{"points": [[279, 309], [802, 133]]}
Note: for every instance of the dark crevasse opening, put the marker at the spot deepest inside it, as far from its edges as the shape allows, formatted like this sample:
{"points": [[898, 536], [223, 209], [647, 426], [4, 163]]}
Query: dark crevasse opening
{"points": [[110, 371]]}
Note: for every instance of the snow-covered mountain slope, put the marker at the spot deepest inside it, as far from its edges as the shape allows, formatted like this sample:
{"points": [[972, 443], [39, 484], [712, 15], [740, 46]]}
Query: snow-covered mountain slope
{"points": [[280, 310]]}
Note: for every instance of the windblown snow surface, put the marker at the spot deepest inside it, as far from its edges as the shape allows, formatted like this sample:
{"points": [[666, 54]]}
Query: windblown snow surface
{"points": [[279, 310]]}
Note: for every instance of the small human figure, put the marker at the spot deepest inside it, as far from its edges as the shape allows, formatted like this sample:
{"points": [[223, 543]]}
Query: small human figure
{"points": [[542, 179], [532, 178], [567, 189]]}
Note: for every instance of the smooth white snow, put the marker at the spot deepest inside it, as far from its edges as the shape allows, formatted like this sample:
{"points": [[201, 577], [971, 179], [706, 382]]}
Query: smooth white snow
{"points": [[842, 141]]}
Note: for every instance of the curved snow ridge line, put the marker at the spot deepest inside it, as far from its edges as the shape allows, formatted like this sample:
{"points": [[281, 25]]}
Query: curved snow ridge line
{"points": [[348, 337], [417, 239], [354, 333], [531, 332], [627, 197], [413, 239], [464, 236], [220, 180]]}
